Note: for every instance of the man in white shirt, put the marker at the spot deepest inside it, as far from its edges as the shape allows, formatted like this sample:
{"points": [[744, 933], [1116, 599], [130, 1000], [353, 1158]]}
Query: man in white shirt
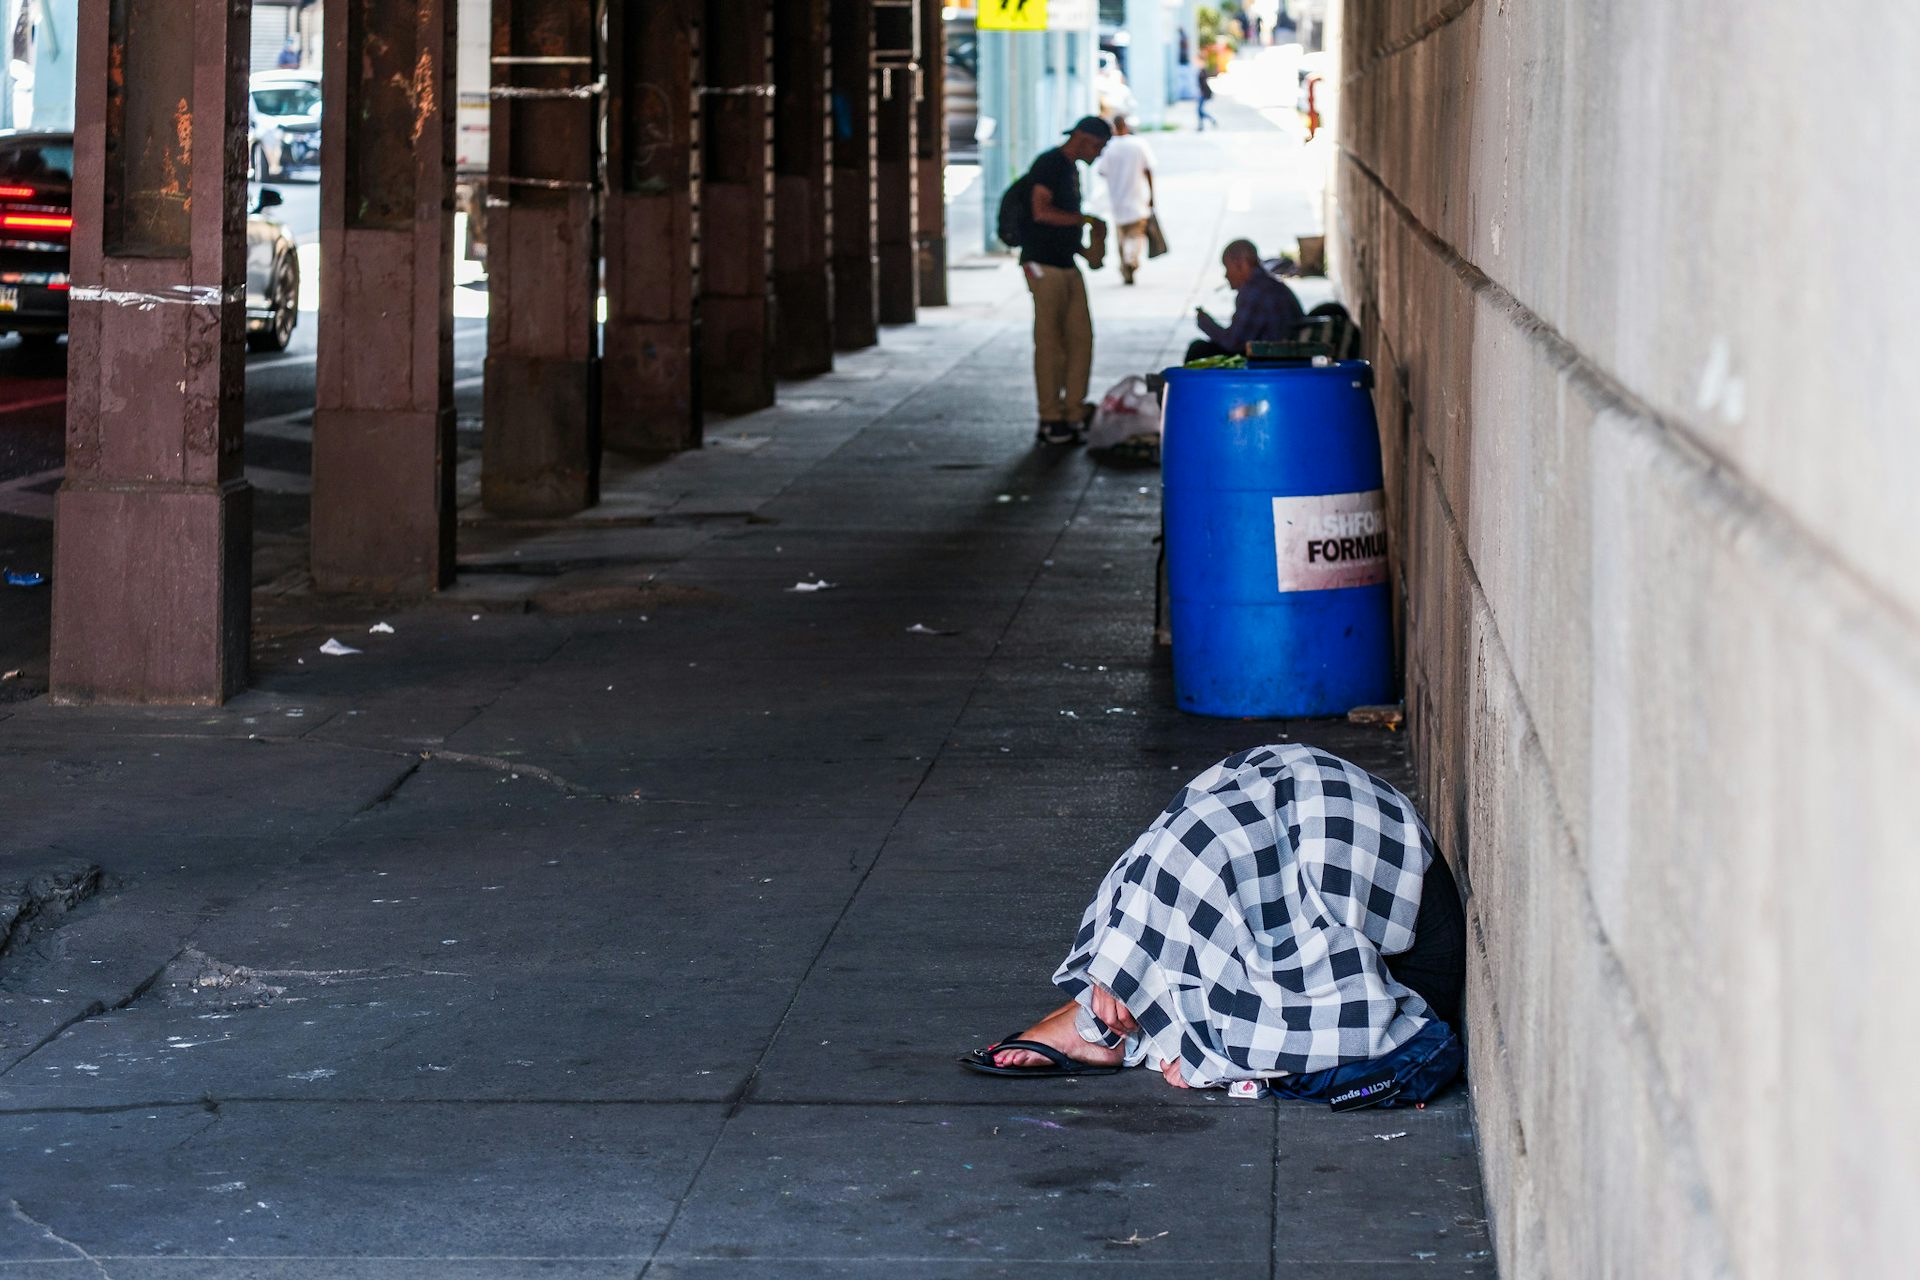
{"points": [[1127, 166]]}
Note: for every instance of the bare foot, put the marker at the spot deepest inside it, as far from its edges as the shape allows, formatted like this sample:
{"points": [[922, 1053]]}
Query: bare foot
{"points": [[1172, 1072], [1057, 1031]]}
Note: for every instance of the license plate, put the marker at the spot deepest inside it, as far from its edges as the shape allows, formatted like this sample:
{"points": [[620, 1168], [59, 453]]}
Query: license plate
{"points": [[9, 298]]}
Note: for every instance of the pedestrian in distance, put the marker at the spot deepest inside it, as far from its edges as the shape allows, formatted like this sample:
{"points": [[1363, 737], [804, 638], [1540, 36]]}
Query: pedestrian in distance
{"points": [[1127, 166], [1264, 308], [1203, 81], [1050, 235]]}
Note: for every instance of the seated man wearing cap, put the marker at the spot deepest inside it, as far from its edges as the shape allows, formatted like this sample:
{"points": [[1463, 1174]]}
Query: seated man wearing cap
{"points": [[1062, 326]]}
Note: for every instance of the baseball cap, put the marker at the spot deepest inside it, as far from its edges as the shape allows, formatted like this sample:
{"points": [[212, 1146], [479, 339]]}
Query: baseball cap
{"points": [[1094, 125]]}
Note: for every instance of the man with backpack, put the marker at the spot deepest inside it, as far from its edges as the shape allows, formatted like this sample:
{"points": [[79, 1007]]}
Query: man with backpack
{"points": [[1041, 215]]}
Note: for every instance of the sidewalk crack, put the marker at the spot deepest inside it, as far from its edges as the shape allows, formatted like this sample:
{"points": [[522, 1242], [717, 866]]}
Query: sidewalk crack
{"points": [[22, 1215], [94, 1010], [519, 769], [213, 1118], [393, 789]]}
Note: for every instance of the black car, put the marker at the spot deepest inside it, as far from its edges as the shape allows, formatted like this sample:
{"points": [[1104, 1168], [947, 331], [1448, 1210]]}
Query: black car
{"points": [[36, 233], [36, 230]]}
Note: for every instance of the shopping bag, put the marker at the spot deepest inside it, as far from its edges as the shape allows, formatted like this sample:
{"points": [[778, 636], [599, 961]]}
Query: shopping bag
{"points": [[1127, 413], [1156, 238]]}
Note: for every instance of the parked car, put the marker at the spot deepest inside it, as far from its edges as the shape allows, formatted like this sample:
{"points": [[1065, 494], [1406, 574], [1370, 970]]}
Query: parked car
{"points": [[283, 122], [36, 237], [36, 233], [273, 275]]}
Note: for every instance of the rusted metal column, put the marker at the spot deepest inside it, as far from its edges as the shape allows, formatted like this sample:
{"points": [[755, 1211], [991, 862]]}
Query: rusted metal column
{"points": [[856, 300], [152, 529], [896, 25], [930, 206], [653, 329], [802, 188], [541, 451], [383, 451], [736, 207]]}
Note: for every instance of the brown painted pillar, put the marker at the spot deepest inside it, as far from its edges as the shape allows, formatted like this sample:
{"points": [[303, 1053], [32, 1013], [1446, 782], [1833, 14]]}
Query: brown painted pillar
{"points": [[736, 207], [930, 207], [152, 529], [802, 188], [383, 451], [856, 300], [541, 451], [896, 155], [653, 332]]}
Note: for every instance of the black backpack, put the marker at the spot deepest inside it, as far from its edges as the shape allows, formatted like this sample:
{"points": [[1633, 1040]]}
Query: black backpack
{"points": [[1016, 211]]}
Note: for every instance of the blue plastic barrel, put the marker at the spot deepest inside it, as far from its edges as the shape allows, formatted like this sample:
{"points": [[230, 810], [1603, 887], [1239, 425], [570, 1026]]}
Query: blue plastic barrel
{"points": [[1276, 541]]}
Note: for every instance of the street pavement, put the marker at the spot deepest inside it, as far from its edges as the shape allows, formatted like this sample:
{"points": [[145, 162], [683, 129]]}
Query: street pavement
{"points": [[622, 910]]}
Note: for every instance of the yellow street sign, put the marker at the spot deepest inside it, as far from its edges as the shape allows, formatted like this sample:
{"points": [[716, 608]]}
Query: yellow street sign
{"points": [[1012, 15]]}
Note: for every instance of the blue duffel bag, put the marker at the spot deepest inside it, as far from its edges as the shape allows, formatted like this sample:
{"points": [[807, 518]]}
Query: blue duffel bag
{"points": [[1414, 1072]]}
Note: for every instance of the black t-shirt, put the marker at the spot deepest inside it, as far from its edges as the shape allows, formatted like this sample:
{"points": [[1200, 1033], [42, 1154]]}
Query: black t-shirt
{"points": [[1054, 246]]}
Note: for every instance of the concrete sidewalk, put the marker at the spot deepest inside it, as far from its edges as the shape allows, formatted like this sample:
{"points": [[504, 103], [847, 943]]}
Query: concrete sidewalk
{"points": [[623, 911]]}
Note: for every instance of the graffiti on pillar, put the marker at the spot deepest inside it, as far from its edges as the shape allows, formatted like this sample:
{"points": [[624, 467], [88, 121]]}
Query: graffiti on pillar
{"points": [[177, 164], [424, 102], [653, 141], [392, 78], [149, 134]]}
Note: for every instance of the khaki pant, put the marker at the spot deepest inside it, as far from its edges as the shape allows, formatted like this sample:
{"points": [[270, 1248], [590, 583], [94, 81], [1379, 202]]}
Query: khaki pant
{"points": [[1062, 340], [1133, 244]]}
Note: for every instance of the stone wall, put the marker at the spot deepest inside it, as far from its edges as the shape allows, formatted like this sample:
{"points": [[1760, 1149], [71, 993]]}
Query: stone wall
{"points": [[1640, 283]]}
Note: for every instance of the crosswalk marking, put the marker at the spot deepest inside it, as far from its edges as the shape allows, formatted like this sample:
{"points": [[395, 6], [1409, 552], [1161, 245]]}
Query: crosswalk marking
{"points": [[18, 496], [270, 480]]}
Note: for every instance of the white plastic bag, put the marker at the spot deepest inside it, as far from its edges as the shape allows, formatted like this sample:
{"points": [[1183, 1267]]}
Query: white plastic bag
{"points": [[1128, 412]]}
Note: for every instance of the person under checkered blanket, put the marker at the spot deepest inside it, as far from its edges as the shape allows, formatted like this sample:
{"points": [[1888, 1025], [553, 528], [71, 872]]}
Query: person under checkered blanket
{"points": [[1287, 914]]}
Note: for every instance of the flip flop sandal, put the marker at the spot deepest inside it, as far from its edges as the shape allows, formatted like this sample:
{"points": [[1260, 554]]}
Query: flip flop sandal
{"points": [[1059, 1064]]}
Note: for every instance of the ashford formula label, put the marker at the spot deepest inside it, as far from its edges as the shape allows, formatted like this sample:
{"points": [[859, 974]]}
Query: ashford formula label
{"points": [[1331, 540]]}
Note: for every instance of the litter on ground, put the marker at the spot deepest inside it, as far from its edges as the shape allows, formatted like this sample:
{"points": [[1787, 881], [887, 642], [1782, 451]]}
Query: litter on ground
{"points": [[1135, 1239], [1385, 717]]}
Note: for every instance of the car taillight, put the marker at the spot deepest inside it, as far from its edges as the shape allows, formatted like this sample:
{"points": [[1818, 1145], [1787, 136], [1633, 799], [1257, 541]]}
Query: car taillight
{"points": [[59, 286], [16, 193], [35, 222]]}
